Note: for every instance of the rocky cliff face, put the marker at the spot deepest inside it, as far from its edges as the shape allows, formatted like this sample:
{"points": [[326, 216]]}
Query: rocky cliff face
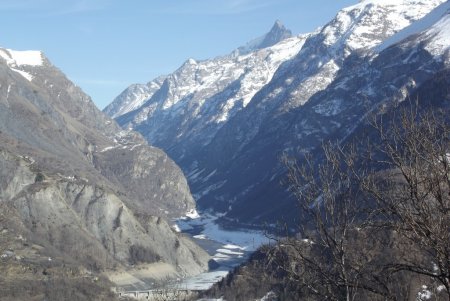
{"points": [[320, 92], [154, 184], [78, 185]]}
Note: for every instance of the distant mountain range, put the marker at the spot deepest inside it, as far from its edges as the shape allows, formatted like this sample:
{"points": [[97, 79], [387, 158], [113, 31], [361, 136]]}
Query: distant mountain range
{"points": [[226, 121]]}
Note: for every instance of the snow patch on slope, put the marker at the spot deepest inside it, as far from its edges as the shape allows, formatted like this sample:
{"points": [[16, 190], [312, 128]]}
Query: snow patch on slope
{"points": [[330, 108], [356, 25], [256, 78], [440, 32], [133, 97], [406, 5], [17, 59], [27, 75]]}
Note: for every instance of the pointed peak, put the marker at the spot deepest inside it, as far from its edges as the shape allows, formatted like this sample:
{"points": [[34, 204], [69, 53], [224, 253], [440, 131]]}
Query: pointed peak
{"points": [[278, 24], [277, 33], [191, 61]]}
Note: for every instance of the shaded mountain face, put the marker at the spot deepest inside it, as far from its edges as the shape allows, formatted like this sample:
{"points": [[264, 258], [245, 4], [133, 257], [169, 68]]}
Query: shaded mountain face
{"points": [[76, 184], [277, 34], [321, 92], [364, 81]]}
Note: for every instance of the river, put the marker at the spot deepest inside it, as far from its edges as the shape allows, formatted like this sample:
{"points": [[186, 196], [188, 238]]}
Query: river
{"points": [[228, 248]]}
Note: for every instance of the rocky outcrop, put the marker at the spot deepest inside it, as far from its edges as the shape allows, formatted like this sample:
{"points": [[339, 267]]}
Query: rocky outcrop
{"points": [[132, 170]]}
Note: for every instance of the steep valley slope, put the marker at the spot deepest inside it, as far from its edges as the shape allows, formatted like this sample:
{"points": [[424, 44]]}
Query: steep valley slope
{"points": [[77, 191]]}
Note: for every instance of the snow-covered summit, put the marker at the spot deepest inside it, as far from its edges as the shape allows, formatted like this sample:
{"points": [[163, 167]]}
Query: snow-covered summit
{"points": [[20, 58], [408, 4], [356, 28]]}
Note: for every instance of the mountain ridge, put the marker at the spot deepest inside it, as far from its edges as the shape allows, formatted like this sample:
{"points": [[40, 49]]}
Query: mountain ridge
{"points": [[237, 166]]}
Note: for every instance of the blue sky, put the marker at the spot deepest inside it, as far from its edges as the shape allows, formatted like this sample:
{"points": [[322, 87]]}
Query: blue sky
{"points": [[106, 45]]}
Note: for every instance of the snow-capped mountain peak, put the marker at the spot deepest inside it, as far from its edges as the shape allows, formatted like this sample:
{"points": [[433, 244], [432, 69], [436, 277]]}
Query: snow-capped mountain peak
{"points": [[20, 58], [191, 61], [277, 33], [356, 28], [404, 4]]}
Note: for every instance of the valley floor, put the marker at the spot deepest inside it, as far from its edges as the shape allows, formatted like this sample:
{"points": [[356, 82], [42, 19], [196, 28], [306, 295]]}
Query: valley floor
{"points": [[227, 248]]}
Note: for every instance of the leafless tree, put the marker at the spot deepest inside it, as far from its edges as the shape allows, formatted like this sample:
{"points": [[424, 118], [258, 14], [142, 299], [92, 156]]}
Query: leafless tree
{"points": [[374, 216], [414, 195], [330, 257]]}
